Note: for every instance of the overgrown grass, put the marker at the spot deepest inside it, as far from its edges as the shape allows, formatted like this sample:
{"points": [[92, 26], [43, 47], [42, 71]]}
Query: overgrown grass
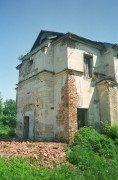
{"points": [[91, 165], [12, 169], [96, 155]]}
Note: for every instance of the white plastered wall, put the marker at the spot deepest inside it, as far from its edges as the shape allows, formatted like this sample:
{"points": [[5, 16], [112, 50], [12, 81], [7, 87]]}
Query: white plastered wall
{"points": [[88, 96], [35, 96]]}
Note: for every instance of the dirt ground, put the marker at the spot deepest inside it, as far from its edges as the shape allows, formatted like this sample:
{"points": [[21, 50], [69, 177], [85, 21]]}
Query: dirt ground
{"points": [[49, 152]]}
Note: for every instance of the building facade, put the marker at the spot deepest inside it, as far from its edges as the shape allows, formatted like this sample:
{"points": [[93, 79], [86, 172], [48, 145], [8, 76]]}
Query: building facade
{"points": [[66, 82]]}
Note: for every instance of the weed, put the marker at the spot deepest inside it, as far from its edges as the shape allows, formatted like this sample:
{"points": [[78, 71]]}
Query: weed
{"points": [[4, 146], [30, 145]]}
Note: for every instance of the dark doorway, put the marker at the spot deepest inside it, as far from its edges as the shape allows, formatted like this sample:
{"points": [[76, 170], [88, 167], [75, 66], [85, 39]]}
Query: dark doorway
{"points": [[82, 117], [26, 127]]}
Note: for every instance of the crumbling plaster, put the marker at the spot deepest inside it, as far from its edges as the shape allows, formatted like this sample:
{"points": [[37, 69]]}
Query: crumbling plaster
{"points": [[108, 99], [52, 86], [37, 95]]}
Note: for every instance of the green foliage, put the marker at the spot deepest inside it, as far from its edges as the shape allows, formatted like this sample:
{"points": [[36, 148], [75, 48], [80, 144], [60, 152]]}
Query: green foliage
{"points": [[6, 130], [95, 155], [8, 118], [4, 146], [91, 139], [1, 106], [92, 166], [111, 131], [9, 108], [12, 169]]}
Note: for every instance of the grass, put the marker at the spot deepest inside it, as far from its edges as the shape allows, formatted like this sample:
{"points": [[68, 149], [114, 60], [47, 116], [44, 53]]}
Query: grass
{"points": [[92, 156], [91, 165], [20, 169], [96, 155]]}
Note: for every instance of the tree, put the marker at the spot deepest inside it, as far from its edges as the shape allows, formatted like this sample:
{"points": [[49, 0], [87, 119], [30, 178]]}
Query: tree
{"points": [[9, 108], [9, 113], [1, 106]]}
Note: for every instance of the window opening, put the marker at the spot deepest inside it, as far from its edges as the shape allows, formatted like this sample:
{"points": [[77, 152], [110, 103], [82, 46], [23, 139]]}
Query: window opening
{"points": [[82, 117], [88, 63]]}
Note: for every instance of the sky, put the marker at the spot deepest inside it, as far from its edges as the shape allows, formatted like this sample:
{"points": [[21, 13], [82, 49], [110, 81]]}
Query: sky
{"points": [[22, 20]]}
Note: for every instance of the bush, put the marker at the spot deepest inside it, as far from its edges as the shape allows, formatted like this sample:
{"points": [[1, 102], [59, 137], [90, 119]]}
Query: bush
{"points": [[6, 131], [12, 132], [92, 166], [94, 154], [8, 117], [9, 121], [111, 131], [91, 139]]}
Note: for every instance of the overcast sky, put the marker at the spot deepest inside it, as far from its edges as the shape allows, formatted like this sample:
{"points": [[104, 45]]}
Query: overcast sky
{"points": [[22, 20]]}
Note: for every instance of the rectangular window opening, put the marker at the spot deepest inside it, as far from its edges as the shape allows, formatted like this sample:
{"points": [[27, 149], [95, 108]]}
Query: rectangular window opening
{"points": [[82, 115], [88, 66]]}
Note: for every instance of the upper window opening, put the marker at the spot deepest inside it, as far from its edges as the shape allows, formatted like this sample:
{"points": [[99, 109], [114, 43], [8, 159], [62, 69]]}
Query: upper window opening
{"points": [[31, 62], [88, 63]]}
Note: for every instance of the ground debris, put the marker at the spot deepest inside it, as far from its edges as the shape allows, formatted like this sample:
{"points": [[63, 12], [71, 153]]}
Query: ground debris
{"points": [[49, 152]]}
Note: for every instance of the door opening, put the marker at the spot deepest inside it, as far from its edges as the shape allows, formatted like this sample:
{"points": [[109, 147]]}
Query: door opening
{"points": [[26, 127], [82, 117]]}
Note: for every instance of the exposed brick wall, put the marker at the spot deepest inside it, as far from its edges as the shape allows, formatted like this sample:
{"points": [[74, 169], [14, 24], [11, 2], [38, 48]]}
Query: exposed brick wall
{"points": [[67, 113], [73, 102], [63, 114]]}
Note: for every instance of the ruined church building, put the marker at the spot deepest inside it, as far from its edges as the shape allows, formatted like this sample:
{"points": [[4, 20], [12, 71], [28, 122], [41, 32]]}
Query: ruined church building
{"points": [[66, 82]]}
